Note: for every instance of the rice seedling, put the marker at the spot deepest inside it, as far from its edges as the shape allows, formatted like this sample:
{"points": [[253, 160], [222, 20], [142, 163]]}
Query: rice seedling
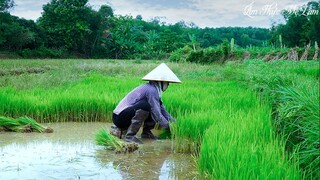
{"points": [[242, 146], [23, 124], [168, 134], [104, 138]]}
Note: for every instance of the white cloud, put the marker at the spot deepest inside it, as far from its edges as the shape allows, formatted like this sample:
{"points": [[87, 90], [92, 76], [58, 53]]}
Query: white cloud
{"points": [[204, 13]]}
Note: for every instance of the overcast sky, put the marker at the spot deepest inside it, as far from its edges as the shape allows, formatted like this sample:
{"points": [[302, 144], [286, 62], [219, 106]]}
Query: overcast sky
{"points": [[204, 13]]}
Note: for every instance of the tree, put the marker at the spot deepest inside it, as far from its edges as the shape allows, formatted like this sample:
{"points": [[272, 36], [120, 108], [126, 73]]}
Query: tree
{"points": [[123, 37], [16, 33], [5, 5], [100, 24], [300, 28], [105, 11], [66, 23], [314, 32]]}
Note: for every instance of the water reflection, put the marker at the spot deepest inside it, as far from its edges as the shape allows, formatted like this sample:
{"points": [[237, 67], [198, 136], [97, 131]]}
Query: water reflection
{"points": [[70, 153]]}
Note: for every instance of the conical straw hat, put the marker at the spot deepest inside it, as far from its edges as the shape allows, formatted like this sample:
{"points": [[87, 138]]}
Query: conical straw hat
{"points": [[162, 73]]}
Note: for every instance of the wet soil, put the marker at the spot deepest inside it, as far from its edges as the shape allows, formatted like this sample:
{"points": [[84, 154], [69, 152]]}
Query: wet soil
{"points": [[71, 153]]}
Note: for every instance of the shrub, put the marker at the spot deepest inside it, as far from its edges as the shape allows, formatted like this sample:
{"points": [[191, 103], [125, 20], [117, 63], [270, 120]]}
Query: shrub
{"points": [[213, 55], [42, 52], [181, 54], [195, 56], [208, 55]]}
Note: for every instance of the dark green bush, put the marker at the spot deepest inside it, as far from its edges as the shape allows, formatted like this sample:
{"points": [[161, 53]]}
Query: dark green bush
{"points": [[213, 55], [181, 54], [196, 56], [42, 52], [205, 56]]}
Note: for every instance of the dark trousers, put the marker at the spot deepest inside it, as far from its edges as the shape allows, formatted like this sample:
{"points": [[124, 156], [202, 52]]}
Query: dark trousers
{"points": [[123, 120]]}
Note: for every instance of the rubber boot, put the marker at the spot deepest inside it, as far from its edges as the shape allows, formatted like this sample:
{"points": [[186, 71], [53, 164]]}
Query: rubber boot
{"points": [[147, 127], [136, 123]]}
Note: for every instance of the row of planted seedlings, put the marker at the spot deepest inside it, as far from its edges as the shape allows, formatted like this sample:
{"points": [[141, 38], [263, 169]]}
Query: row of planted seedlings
{"points": [[229, 129], [91, 99]]}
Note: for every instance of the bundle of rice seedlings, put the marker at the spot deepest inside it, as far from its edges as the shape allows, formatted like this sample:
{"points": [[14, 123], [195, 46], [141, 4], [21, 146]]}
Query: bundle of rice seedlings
{"points": [[34, 125], [167, 134], [22, 128], [22, 124], [104, 138], [7, 122]]}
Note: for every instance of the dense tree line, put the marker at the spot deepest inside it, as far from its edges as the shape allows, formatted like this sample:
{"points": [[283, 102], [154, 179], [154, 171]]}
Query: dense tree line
{"points": [[73, 28], [302, 26]]}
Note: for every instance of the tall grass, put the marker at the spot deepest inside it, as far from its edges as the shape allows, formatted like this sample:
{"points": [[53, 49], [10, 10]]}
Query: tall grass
{"points": [[293, 90], [298, 119]]}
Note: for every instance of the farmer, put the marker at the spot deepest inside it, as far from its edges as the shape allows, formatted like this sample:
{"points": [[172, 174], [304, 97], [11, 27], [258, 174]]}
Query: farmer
{"points": [[143, 105]]}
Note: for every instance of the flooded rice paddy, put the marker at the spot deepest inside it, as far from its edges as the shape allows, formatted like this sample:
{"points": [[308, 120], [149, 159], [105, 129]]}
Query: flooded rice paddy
{"points": [[71, 153]]}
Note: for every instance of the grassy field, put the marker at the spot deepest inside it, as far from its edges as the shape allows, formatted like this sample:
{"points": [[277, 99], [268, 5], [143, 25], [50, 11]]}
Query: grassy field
{"points": [[241, 120]]}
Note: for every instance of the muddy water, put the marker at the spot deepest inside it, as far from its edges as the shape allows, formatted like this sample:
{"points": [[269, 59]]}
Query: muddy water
{"points": [[70, 153]]}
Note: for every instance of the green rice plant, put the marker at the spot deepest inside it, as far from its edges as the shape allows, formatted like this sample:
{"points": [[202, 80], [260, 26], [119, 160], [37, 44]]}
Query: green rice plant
{"points": [[242, 146], [8, 122], [76, 102], [104, 138], [168, 134], [207, 107], [241, 124], [34, 125], [165, 134], [23, 124]]}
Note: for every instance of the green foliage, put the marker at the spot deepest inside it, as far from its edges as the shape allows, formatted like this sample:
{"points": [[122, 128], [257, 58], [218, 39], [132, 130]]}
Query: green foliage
{"points": [[301, 27], [66, 27], [196, 56], [42, 52], [5, 5], [17, 34], [206, 56], [85, 32], [181, 54]]}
